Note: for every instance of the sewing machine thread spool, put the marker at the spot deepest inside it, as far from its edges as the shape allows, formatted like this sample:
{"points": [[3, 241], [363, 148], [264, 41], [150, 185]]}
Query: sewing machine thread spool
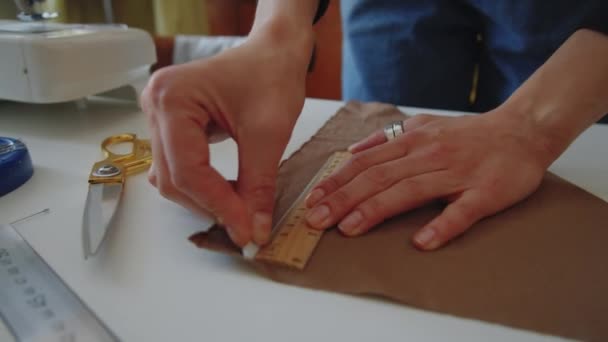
{"points": [[15, 165]]}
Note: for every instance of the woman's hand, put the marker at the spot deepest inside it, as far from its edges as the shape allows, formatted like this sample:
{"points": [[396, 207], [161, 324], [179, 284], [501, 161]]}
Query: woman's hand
{"points": [[252, 93], [479, 165]]}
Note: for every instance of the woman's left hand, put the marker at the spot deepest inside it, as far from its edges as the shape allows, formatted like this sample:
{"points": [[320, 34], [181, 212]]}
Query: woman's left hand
{"points": [[478, 164]]}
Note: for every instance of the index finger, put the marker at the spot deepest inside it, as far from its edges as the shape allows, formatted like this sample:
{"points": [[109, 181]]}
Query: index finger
{"points": [[361, 162], [186, 149]]}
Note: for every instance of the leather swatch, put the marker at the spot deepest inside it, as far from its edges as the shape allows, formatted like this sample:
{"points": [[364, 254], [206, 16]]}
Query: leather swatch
{"points": [[540, 265]]}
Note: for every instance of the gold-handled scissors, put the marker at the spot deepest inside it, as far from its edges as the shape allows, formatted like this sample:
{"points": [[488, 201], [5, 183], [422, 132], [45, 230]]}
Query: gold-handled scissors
{"points": [[106, 183]]}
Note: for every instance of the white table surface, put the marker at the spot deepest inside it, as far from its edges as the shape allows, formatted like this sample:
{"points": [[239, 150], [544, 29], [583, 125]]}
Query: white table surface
{"points": [[150, 284]]}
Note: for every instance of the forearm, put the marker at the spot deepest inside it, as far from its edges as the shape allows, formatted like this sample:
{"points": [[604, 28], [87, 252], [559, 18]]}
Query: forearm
{"points": [[568, 93], [285, 20], [285, 27], [300, 13]]}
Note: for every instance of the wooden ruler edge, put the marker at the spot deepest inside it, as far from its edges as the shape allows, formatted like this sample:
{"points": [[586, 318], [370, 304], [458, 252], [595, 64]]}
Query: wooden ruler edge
{"points": [[265, 254]]}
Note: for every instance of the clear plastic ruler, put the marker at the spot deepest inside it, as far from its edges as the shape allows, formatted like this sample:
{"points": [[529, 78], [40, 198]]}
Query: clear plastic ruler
{"points": [[35, 303]]}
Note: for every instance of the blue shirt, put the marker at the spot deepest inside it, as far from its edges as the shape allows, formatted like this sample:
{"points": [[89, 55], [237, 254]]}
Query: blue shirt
{"points": [[425, 53]]}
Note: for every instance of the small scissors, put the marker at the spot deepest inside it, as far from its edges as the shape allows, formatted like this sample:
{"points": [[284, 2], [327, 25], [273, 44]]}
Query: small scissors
{"points": [[106, 183]]}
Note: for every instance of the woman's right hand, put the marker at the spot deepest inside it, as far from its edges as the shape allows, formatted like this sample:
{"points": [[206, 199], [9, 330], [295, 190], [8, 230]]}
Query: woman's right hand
{"points": [[252, 93]]}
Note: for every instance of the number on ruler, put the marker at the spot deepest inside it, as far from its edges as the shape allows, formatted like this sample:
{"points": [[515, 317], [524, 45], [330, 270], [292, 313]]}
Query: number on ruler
{"points": [[20, 280], [37, 302], [13, 270], [29, 291], [48, 314]]}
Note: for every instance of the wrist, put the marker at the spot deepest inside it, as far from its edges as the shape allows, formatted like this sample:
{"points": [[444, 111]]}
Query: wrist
{"points": [[538, 125], [284, 34], [566, 95], [287, 44]]}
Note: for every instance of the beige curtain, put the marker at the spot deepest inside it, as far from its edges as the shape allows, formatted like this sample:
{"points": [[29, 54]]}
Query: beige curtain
{"points": [[181, 16], [7, 10], [159, 17]]}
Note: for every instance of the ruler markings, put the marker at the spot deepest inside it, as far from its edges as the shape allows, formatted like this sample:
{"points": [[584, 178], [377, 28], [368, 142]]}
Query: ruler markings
{"points": [[293, 240], [35, 303]]}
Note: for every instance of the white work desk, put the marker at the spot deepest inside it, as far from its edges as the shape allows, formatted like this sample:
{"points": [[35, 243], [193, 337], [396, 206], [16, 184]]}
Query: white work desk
{"points": [[150, 284]]}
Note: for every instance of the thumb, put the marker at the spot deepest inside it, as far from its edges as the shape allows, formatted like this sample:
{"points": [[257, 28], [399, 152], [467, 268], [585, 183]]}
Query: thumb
{"points": [[256, 184]]}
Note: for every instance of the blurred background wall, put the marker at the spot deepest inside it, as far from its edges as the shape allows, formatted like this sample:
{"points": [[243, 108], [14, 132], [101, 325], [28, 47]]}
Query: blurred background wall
{"points": [[159, 17], [164, 19]]}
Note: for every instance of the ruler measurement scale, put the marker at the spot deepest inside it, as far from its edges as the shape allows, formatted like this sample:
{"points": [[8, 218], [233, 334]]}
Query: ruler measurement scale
{"points": [[293, 240], [35, 304]]}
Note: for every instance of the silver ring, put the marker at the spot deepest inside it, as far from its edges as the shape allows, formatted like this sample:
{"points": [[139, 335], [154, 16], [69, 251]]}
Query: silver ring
{"points": [[393, 130]]}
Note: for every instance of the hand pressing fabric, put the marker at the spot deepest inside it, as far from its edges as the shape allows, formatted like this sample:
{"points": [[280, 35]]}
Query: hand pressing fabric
{"points": [[478, 164]]}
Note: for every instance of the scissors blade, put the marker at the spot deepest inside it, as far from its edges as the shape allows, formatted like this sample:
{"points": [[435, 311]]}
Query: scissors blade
{"points": [[101, 205]]}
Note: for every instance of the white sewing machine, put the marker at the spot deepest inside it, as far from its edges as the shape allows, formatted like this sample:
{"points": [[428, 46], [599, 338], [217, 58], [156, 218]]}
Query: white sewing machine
{"points": [[43, 62]]}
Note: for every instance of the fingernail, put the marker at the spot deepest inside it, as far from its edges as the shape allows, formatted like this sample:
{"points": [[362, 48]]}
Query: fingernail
{"points": [[152, 177], [261, 227], [351, 222], [317, 215], [426, 238], [314, 197], [235, 236], [352, 147]]}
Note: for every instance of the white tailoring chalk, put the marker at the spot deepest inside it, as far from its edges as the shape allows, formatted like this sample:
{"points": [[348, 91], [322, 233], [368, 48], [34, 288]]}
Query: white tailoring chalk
{"points": [[250, 250]]}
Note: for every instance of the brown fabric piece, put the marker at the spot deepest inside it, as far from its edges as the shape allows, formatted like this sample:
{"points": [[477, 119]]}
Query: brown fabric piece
{"points": [[540, 265]]}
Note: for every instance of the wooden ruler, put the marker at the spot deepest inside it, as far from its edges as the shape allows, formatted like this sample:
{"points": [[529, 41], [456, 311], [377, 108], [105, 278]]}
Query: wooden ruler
{"points": [[293, 240]]}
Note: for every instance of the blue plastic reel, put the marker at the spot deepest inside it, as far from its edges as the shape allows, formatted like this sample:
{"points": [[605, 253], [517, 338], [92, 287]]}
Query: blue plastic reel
{"points": [[15, 165]]}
